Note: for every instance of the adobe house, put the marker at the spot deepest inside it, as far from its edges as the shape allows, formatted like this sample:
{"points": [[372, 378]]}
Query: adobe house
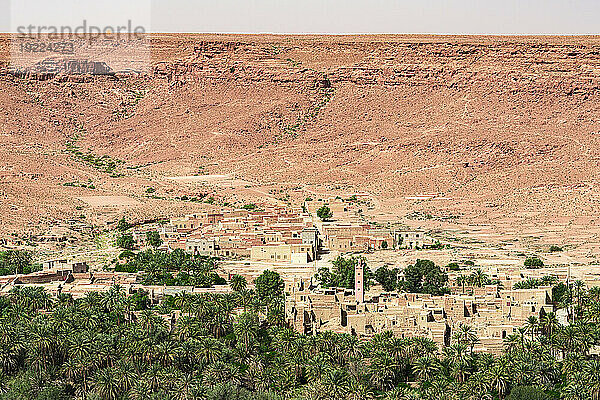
{"points": [[409, 239]]}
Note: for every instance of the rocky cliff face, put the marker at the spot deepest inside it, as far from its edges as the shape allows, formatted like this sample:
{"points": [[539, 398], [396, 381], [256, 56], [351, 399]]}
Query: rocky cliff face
{"points": [[569, 69]]}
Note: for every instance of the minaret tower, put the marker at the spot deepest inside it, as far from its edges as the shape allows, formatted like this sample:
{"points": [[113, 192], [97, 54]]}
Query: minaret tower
{"points": [[359, 281]]}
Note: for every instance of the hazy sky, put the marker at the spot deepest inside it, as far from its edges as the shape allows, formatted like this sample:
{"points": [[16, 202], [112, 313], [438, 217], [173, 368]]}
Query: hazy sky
{"points": [[324, 16]]}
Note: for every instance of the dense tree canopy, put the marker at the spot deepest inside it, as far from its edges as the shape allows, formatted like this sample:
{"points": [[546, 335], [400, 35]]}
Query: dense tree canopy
{"points": [[125, 241], [176, 268], [342, 273], [153, 239], [424, 277], [387, 278], [98, 347], [268, 285], [16, 262]]}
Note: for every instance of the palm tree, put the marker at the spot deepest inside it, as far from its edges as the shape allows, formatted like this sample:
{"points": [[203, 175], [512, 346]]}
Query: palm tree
{"points": [[459, 359], [383, 371], [183, 301], [185, 385], [151, 322], [352, 349], [246, 330], [166, 352], [43, 340], [184, 327], [209, 350], [499, 377], [549, 323], [565, 338], [531, 325], [335, 384], [400, 393], [425, 368], [9, 359], [478, 278], [79, 347], [114, 299], [318, 366], [466, 335], [591, 376], [107, 385], [585, 336], [422, 346], [462, 280], [237, 283], [359, 390], [141, 390], [245, 298], [574, 391]]}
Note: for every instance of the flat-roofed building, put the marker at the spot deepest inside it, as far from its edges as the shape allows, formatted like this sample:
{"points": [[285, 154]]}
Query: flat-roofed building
{"points": [[201, 246], [282, 253], [409, 239]]}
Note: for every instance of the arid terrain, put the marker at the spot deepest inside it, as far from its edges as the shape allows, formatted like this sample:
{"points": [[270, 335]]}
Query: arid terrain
{"points": [[495, 136]]}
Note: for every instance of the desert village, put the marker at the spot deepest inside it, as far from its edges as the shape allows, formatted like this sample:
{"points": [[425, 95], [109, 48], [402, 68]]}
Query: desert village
{"points": [[295, 242]]}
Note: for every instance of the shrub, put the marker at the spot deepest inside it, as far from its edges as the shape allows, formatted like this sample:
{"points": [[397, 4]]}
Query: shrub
{"points": [[555, 249], [126, 241], [324, 213], [153, 239], [528, 393], [387, 278], [533, 262], [123, 225], [342, 273], [126, 254], [453, 266]]}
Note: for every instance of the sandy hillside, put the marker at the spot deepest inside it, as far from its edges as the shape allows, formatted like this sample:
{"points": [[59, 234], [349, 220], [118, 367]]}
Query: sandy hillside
{"points": [[503, 131]]}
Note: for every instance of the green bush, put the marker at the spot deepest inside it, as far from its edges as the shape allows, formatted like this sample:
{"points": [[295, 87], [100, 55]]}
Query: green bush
{"points": [[387, 278], [269, 284], [126, 241], [126, 254], [453, 266], [533, 263], [425, 277], [123, 225], [176, 268], [528, 393], [16, 262], [325, 213], [342, 274], [153, 239]]}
